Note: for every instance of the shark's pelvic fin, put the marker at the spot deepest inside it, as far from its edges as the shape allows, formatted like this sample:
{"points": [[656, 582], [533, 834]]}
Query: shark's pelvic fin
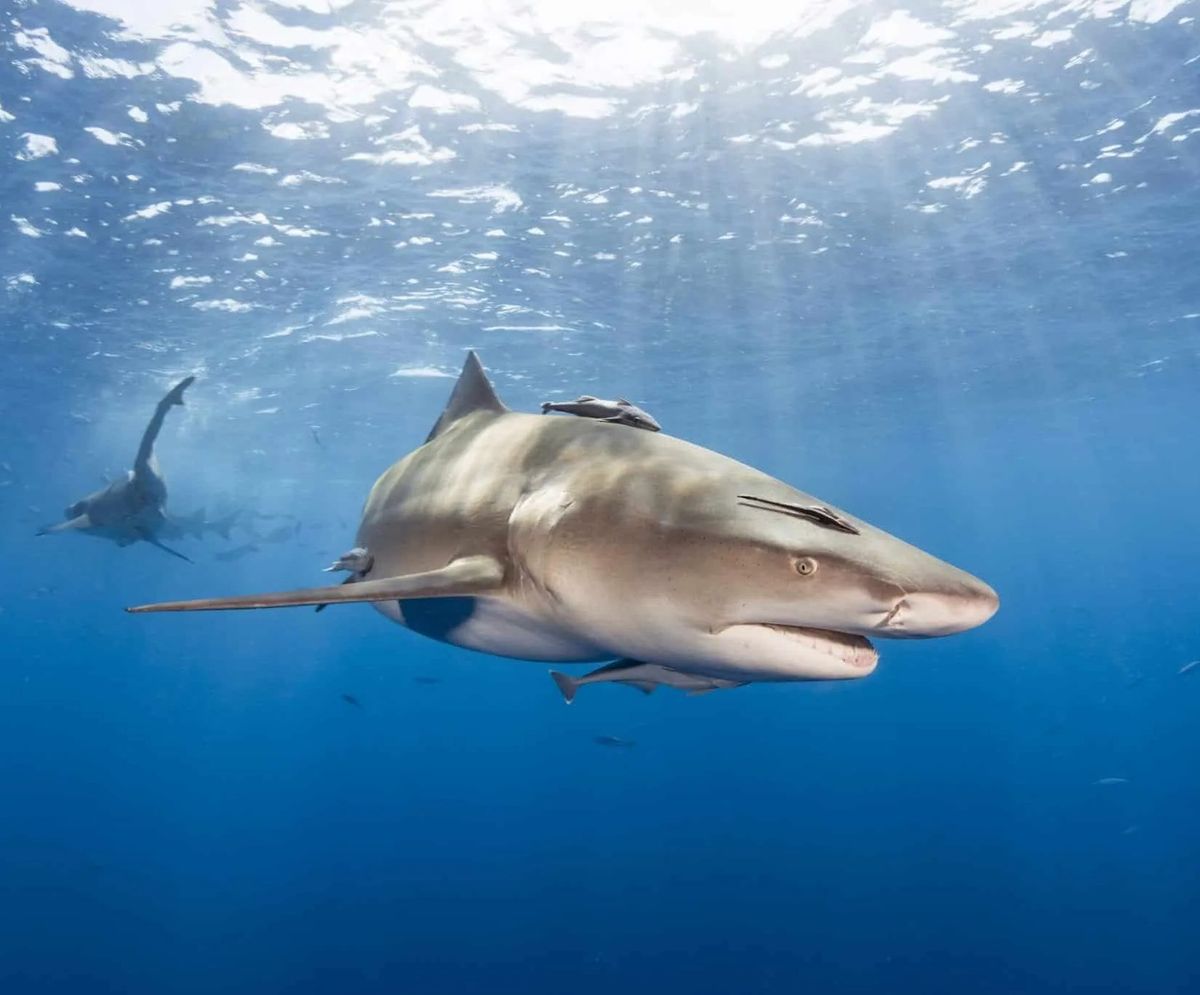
{"points": [[470, 575], [473, 392], [566, 684]]}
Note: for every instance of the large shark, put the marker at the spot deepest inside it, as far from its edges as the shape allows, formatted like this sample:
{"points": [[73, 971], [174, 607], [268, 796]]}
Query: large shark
{"points": [[133, 507], [575, 540]]}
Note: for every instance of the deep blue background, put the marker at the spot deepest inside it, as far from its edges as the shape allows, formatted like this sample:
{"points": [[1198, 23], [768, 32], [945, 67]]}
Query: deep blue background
{"points": [[187, 804]]}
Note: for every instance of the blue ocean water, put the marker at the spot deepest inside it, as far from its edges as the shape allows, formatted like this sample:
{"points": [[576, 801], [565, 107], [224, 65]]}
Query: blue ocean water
{"points": [[936, 263]]}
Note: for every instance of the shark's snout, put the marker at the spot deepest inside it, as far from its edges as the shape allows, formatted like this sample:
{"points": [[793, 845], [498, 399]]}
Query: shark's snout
{"points": [[940, 613]]}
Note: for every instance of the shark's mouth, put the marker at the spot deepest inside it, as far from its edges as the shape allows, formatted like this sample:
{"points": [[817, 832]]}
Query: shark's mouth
{"points": [[853, 650]]}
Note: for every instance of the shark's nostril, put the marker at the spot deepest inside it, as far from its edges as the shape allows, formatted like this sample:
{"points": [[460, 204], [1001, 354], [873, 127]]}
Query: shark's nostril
{"points": [[939, 613]]}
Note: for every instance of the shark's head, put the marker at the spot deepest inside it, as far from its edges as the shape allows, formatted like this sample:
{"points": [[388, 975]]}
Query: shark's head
{"points": [[807, 585], [779, 583]]}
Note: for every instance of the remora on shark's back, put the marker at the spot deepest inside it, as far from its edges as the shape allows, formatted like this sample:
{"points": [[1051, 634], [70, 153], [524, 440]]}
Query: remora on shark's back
{"points": [[576, 540], [619, 412]]}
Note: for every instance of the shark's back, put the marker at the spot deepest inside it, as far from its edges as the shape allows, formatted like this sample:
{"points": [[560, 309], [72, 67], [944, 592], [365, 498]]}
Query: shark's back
{"points": [[481, 460]]}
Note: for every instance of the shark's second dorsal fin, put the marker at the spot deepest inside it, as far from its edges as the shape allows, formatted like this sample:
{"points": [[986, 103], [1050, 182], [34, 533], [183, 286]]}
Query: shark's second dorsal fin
{"points": [[473, 392]]}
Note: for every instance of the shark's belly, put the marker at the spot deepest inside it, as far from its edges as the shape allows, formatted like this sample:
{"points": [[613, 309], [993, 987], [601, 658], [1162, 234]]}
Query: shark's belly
{"points": [[492, 625]]}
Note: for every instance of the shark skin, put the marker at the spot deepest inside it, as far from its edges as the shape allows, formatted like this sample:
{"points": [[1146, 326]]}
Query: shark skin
{"points": [[575, 540]]}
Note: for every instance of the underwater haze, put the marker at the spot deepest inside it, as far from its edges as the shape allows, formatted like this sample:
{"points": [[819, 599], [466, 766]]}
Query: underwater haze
{"points": [[937, 263]]}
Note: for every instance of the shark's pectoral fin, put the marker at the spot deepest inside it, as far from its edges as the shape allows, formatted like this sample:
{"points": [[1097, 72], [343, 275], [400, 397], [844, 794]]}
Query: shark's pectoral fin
{"points": [[78, 522], [470, 575], [567, 685]]}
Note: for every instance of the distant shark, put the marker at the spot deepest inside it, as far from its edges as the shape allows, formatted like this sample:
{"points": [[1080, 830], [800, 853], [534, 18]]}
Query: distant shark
{"points": [[197, 525], [576, 540], [133, 507]]}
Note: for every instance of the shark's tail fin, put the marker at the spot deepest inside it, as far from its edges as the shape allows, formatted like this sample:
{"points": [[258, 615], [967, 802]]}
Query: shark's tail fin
{"points": [[566, 684], [175, 394], [142, 462]]}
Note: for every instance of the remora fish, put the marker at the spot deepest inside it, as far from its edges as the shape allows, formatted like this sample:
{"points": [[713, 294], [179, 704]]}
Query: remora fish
{"points": [[566, 540], [620, 411], [643, 676]]}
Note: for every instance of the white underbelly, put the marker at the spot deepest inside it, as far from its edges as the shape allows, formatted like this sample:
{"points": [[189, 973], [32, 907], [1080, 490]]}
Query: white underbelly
{"points": [[492, 625]]}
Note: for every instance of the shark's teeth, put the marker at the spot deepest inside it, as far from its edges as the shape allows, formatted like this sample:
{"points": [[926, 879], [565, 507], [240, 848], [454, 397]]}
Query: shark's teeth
{"points": [[852, 649]]}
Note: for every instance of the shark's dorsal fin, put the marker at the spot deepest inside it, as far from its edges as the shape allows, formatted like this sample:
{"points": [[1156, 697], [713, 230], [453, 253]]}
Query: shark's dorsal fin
{"points": [[473, 392]]}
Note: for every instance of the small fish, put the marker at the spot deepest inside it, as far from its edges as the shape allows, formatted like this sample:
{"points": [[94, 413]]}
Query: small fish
{"points": [[1112, 780], [426, 680], [1187, 668], [316, 437], [349, 699], [614, 741], [619, 412]]}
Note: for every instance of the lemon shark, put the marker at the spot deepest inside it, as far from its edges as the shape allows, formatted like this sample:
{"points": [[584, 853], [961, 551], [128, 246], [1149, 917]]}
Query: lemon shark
{"points": [[133, 507], [576, 540]]}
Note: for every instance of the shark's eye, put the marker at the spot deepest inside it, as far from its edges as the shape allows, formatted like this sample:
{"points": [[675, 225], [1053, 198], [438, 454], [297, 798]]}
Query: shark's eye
{"points": [[806, 566]]}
